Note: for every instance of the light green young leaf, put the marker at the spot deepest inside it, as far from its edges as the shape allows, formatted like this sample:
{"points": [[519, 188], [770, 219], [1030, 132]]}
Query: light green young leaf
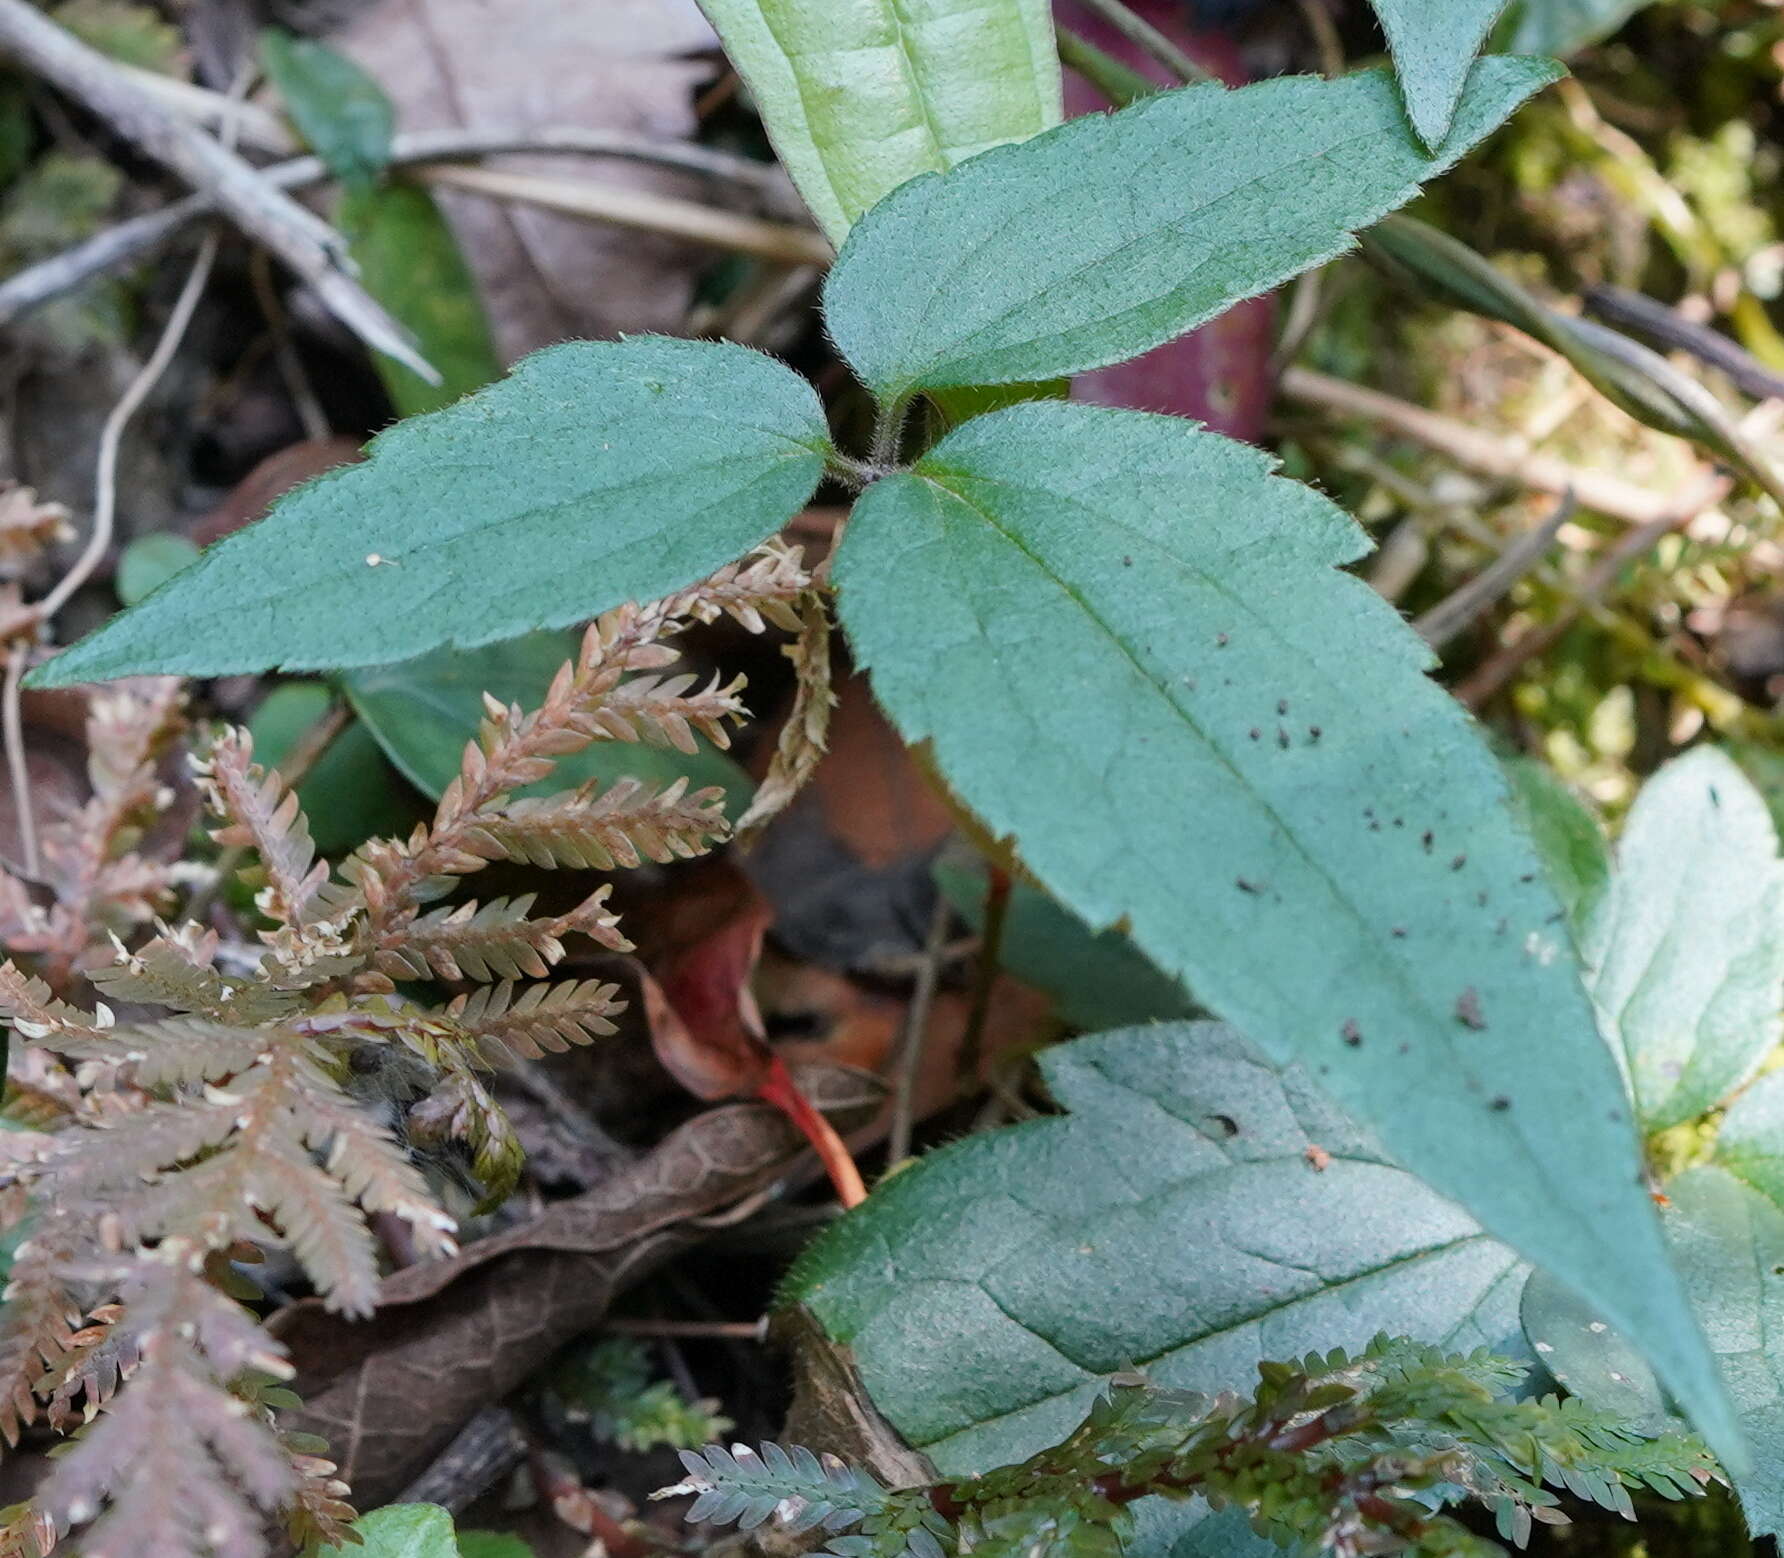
{"points": [[491, 1544], [1568, 836], [1177, 1217], [401, 1531], [1563, 27], [1131, 648], [1434, 44], [1096, 241], [338, 109], [409, 260], [1728, 1240], [149, 562], [859, 97], [596, 473], [425, 711], [1686, 950]]}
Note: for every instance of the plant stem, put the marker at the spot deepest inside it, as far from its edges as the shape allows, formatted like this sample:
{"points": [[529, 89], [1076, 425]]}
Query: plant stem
{"points": [[1142, 34], [998, 885], [1120, 84]]}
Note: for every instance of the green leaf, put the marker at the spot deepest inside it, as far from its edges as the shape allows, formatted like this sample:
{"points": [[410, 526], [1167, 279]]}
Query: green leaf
{"points": [[351, 794], [1020, 266], [1172, 1219], [410, 262], [150, 561], [1131, 648], [423, 712], [401, 1531], [1686, 950], [858, 98], [491, 1544], [1567, 835], [596, 473], [340, 111], [1750, 1144], [1434, 47], [1563, 27], [1097, 979], [1728, 1240]]}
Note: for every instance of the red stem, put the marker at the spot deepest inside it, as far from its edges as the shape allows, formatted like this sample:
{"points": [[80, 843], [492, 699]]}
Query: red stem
{"points": [[779, 1089]]}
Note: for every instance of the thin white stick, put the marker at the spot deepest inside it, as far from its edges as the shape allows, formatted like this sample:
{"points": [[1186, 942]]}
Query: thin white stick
{"points": [[105, 493], [14, 731]]}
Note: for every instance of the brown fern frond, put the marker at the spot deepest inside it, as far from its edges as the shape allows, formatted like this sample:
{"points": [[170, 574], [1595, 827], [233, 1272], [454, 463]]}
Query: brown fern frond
{"points": [[493, 941], [27, 1003], [177, 972], [88, 1375], [662, 712], [130, 725], [761, 589], [180, 1464], [28, 526], [40, 1320], [806, 735], [24, 923], [595, 829], [462, 1109], [543, 1017], [318, 1514], [259, 812]]}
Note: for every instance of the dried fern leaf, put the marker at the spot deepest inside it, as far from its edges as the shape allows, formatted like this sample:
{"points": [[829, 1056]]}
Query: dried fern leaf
{"points": [[258, 812], [594, 829], [805, 736], [541, 1018], [28, 527]]}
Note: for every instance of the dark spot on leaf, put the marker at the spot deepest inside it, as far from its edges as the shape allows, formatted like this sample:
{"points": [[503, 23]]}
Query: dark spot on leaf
{"points": [[1528, 876], [1222, 639], [1405, 1049], [1398, 932], [1282, 738], [1282, 705], [1428, 840], [1501, 1103], [1353, 1035], [1715, 797], [1247, 886], [1399, 822], [1458, 862], [1480, 898], [1127, 562], [1468, 1010], [1314, 733], [1256, 734], [1225, 1124]]}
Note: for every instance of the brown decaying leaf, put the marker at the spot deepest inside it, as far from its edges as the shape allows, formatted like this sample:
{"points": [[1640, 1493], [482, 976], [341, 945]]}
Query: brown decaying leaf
{"points": [[597, 64], [451, 1336]]}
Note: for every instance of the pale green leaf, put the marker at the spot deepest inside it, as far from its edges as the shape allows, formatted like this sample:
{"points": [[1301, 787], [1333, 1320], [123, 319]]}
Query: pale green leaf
{"points": [[401, 1531], [424, 712], [596, 473], [492, 1544], [409, 260], [1563, 27], [1750, 1144], [340, 111], [1567, 834], [860, 95], [1096, 241], [1434, 44], [1728, 1240], [1131, 648], [149, 562], [1177, 1218], [1686, 950]]}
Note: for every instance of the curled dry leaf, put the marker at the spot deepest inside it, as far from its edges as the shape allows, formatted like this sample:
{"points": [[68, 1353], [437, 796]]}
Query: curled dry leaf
{"points": [[452, 1336], [599, 65]]}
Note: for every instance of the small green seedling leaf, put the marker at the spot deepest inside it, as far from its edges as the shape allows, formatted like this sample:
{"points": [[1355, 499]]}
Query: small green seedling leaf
{"points": [[1114, 233], [858, 98], [410, 262], [1728, 1240], [338, 109], [1564, 27], [149, 562], [1131, 648], [401, 1531], [491, 1544], [425, 711], [1686, 950], [1434, 44], [1198, 1209], [596, 473]]}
